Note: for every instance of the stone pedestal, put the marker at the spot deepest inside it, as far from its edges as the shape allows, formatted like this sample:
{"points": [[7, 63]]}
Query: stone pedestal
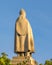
{"points": [[19, 59]]}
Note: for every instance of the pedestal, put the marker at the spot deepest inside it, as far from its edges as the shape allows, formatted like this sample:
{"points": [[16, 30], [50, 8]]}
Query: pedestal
{"points": [[23, 59]]}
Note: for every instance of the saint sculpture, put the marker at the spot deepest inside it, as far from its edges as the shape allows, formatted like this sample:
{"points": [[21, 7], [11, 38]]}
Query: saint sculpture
{"points": [[24, 43]]}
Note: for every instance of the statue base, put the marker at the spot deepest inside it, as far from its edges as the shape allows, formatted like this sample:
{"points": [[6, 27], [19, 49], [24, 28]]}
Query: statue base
{"points": [[23, 59]]}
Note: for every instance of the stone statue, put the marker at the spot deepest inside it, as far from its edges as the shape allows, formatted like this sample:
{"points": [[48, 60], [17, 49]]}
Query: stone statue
{"points": [[24, 43]]}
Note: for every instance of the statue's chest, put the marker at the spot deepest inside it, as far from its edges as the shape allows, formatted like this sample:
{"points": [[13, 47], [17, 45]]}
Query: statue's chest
{"points": [[22, 27]]}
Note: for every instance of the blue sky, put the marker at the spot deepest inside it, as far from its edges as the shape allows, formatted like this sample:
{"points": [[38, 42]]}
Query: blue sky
{"points": [[39, 14]]}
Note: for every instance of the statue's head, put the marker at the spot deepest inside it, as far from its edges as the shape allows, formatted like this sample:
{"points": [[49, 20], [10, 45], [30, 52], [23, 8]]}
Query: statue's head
{"points": [[23, 13]]}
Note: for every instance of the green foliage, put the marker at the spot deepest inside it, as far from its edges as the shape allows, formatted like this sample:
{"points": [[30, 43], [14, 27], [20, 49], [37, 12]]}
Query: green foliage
{"points": [[4, 60], [47, 62], [40, 64]]}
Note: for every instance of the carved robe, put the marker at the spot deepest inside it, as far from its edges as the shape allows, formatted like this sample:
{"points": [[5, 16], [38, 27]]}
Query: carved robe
{"points": [[23, 36]]}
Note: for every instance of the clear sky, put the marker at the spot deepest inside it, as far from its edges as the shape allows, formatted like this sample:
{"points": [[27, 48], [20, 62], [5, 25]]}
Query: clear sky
{"points": [[39, 14]]}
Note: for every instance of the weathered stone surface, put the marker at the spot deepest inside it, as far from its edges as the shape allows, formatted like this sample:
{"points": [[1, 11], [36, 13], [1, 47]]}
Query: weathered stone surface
{"points": [[30, 60], [24, 43], [23, 35]]}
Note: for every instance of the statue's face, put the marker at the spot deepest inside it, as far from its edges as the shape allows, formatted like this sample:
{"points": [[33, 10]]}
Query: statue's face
{"points": [[23, 13]]}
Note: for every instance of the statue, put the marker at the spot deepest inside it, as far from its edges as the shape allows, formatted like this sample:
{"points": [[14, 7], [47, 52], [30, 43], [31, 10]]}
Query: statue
{"points": [[24, 43]]}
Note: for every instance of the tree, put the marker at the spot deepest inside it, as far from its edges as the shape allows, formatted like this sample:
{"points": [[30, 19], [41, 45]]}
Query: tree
{"points": [[47, 62], [4, 60], [41, 64]]}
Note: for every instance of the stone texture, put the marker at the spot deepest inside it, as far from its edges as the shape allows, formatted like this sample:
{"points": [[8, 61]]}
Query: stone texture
{"points": [[30, 60], [24, 42], [23, 34]]}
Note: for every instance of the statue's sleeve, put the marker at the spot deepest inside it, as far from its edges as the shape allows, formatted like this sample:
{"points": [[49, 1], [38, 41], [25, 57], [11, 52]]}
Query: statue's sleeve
{"points": [[31, 38], [30, 32]]}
